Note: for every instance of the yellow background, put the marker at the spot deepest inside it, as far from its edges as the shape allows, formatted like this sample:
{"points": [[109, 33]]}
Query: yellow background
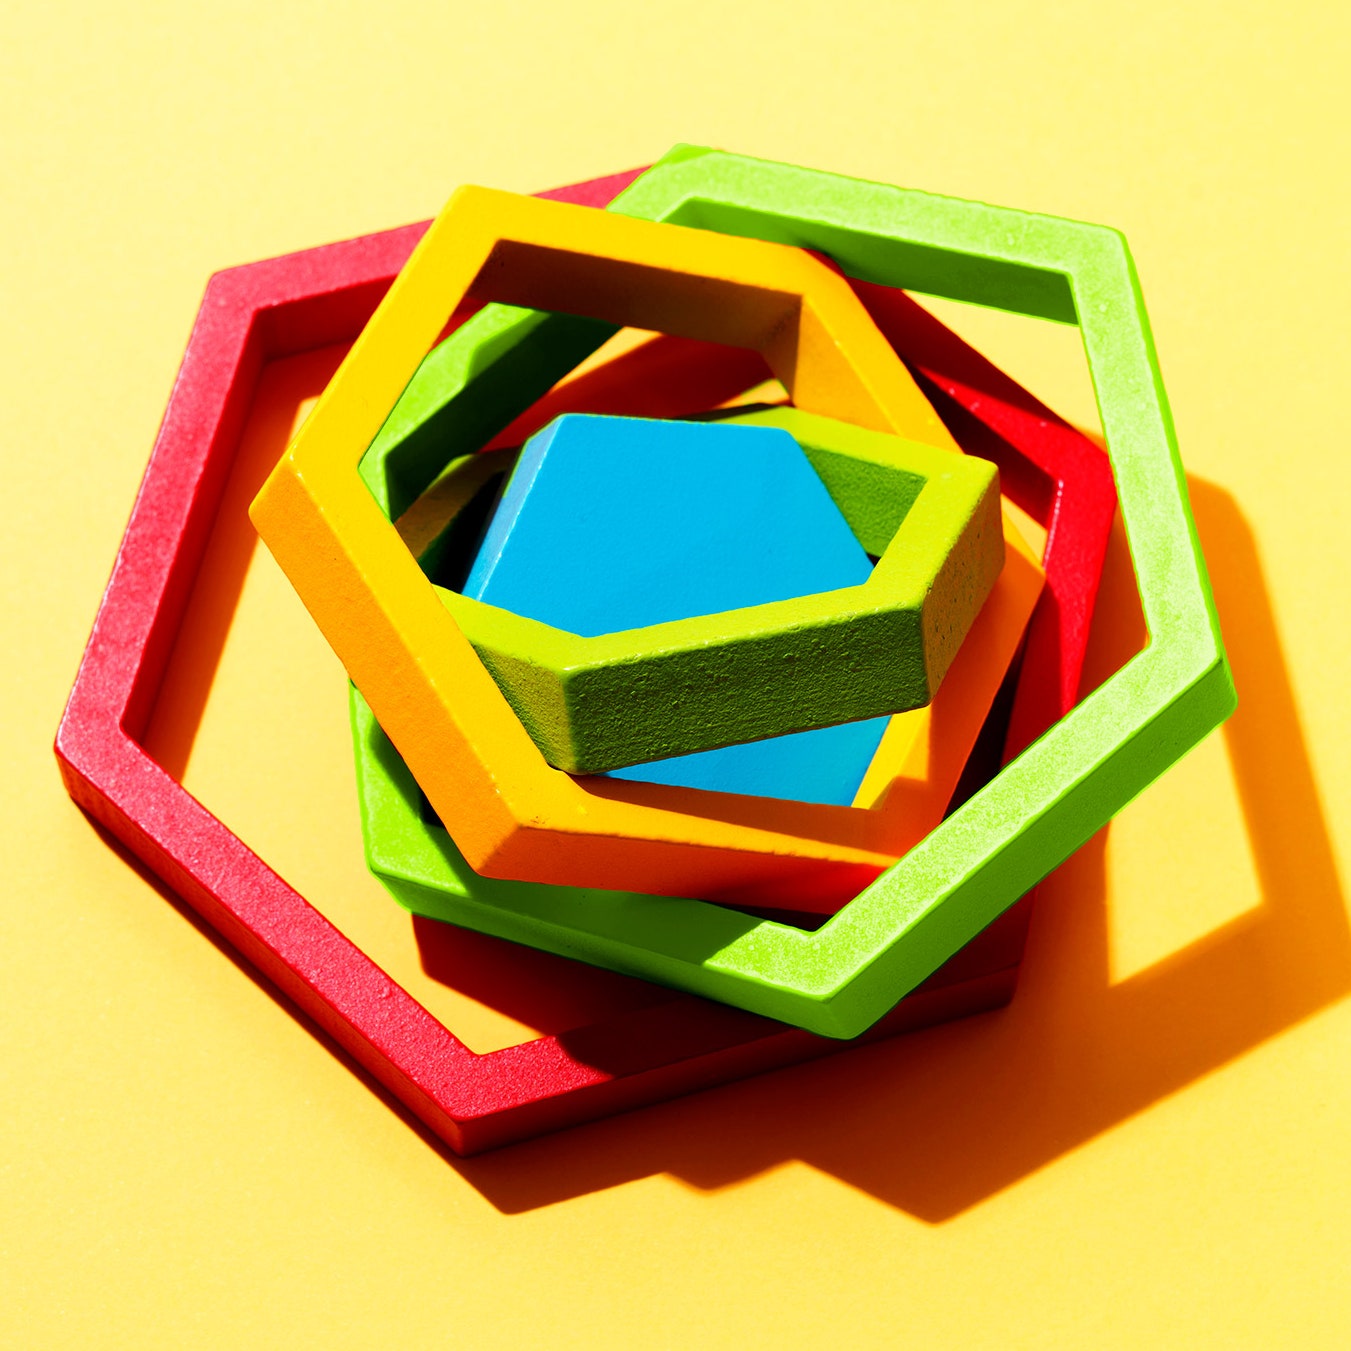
{"points": [[1151, 1147]]}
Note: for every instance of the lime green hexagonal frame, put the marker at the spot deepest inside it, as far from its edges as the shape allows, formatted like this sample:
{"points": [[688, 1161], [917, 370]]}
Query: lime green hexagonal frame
{"points": [[596, 703], [1069, 783]]}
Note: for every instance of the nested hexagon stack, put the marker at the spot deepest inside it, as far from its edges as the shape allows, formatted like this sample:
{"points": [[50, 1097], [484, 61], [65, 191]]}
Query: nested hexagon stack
{"points": [[712, 613]]}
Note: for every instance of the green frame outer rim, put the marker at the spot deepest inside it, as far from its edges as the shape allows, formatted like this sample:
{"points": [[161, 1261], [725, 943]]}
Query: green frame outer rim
{"points": [[1063, 788]]}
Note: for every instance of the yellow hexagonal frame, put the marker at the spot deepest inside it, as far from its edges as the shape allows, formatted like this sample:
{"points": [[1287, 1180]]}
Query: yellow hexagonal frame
{"points": [[514, 816]]}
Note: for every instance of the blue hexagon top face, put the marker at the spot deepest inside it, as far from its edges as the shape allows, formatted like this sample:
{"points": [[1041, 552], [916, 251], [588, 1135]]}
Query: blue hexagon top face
{"points": [[612, 523]]}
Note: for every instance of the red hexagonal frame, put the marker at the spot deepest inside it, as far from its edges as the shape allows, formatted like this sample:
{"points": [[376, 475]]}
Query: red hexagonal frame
{"points": [[288, 305]]}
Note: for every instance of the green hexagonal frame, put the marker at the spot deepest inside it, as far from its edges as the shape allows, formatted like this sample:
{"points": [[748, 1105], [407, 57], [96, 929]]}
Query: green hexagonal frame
{"points": [[597, 703], [1064, 787]]}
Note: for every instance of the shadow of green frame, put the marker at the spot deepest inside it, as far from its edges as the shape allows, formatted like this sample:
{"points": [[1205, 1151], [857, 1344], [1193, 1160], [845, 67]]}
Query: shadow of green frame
{"points": [[1053, 797]]}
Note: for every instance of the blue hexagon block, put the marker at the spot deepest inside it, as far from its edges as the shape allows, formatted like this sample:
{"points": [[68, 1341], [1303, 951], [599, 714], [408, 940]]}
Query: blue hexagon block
{"points": [[612, 523]]}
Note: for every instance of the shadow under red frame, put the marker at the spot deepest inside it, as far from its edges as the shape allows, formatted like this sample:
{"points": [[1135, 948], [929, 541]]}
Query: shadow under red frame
{"points": [[284, 306]]}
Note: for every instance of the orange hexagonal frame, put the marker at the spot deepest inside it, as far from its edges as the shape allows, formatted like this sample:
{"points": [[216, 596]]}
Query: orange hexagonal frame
{"points": [[912, 776], [515, 816]]}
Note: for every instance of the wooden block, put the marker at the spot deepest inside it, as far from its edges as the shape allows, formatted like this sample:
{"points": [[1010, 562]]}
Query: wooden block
{"points": [[611, 524]]}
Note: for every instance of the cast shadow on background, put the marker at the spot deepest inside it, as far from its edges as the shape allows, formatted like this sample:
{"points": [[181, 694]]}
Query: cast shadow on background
{"points": [[934, 1122]]}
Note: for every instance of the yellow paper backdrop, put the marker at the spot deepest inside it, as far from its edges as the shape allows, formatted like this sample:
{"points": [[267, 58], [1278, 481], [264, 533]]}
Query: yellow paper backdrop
{"points": [[1151, 1147]]}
